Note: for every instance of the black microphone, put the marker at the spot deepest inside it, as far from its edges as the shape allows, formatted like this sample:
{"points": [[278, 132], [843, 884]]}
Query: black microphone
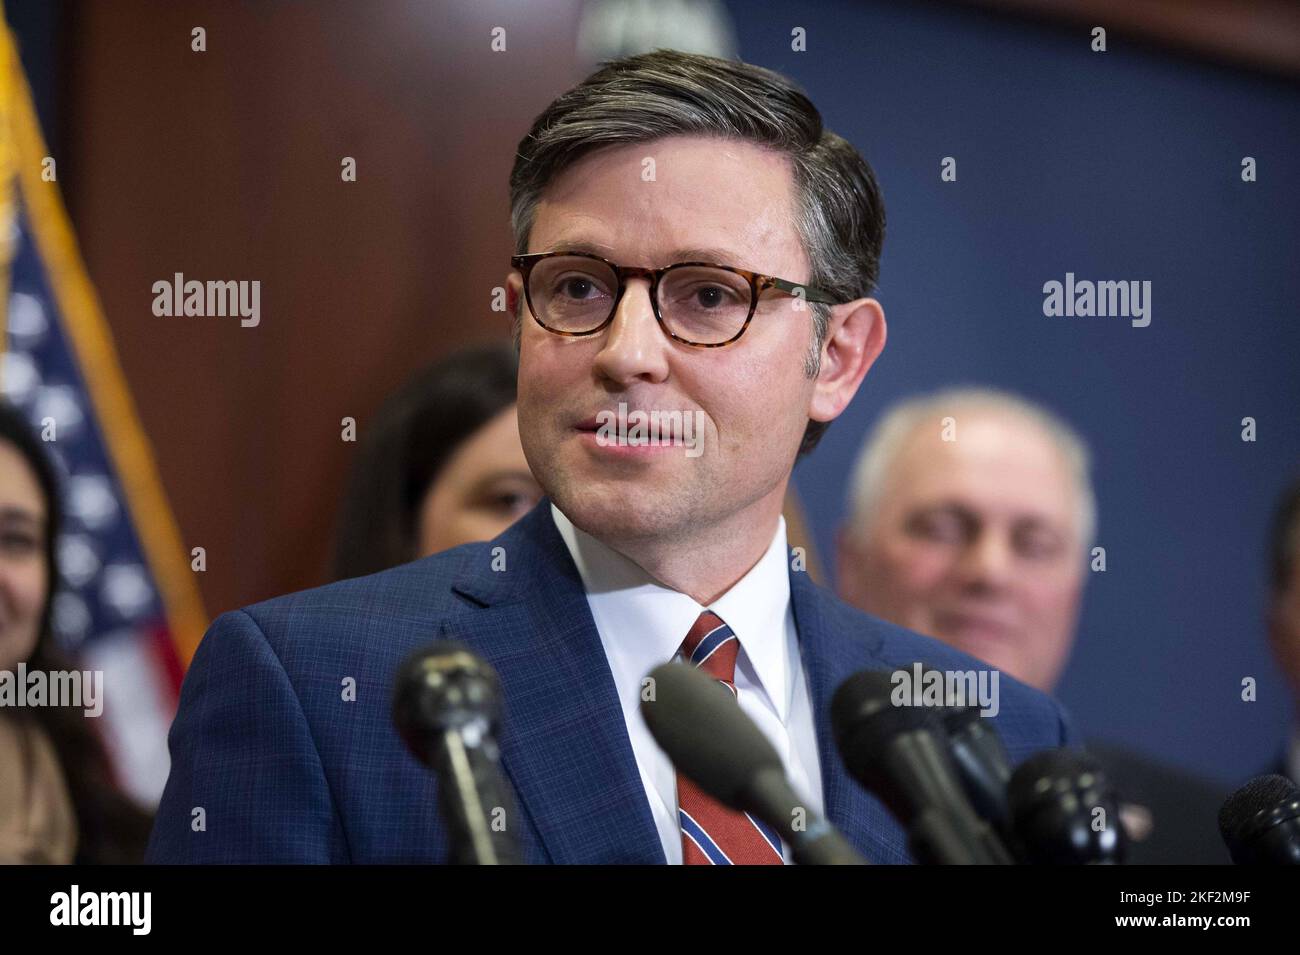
{"points": [[1053, 798], [447, 709], [977, 751], [900, 753], [1260, 822], [699, 724], [982, 764]]}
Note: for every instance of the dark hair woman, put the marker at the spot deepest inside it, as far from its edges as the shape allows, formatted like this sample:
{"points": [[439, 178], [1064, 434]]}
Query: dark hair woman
{"points": [[59, 802], [440, 465]]}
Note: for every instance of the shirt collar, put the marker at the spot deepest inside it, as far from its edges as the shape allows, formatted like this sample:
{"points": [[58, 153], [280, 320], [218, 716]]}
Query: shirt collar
{"points": [[755, 607]]}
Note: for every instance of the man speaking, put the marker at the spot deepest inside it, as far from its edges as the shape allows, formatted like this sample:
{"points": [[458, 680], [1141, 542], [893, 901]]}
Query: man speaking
{"points": [[691, 246]]}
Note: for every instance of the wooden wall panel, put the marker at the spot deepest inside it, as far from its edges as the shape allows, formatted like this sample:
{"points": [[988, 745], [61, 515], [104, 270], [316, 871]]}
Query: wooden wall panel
{"points": [[226, 165]]}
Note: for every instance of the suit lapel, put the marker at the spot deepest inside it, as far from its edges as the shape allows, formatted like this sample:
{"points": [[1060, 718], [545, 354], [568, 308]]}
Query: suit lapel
{"points": [[564, 744], [832, 652]]}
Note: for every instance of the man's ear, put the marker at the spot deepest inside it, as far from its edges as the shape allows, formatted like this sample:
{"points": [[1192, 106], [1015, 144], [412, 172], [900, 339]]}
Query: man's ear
{"points": [[855, 337]]}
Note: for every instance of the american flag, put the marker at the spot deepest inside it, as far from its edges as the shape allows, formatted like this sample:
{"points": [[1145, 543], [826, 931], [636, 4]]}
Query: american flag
{"points": [[128, 604]]}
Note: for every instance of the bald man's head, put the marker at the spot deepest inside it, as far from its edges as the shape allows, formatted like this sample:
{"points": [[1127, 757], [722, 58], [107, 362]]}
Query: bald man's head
{"points": [[970, 520]]}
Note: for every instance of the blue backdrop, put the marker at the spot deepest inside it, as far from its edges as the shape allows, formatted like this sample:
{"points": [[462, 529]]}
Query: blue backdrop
{"points": [[1116, 165]]}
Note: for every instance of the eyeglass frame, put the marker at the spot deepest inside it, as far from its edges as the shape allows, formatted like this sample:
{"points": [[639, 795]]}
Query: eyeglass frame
{"points": [[758, 283]]}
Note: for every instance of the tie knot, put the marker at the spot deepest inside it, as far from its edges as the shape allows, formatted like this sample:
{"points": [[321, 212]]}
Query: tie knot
{"points": [[712, 647]]}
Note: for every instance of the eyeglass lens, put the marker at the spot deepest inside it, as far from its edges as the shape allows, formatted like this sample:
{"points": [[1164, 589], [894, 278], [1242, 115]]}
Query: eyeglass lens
{"points": [[699, 304]]}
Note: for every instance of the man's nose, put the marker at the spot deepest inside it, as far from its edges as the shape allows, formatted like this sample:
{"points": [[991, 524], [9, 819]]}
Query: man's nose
{"points": [[635, 346], [986, 562]]}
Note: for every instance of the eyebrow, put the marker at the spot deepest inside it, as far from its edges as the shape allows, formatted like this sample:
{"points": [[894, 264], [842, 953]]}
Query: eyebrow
{"points": [[716, 256]]}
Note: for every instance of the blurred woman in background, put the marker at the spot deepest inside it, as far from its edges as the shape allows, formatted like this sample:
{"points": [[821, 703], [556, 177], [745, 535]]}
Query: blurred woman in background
{"points": [[58, 800], [440, 465]]}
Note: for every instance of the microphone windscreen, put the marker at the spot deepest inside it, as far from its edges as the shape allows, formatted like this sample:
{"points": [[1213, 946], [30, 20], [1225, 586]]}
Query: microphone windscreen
{"points": [[865, 719], [1052, 771], [444, 686], [700, 725], [1260, 793], [958, 718], [1056, 800]]}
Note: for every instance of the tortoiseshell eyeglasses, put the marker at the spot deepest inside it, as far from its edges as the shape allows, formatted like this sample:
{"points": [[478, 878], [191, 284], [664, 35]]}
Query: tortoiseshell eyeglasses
{"points": [[696, 303]]}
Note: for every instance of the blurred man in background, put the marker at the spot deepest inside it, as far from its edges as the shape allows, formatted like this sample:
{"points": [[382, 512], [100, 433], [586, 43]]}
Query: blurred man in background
{"points": [[971, 515], [1284, 612]]}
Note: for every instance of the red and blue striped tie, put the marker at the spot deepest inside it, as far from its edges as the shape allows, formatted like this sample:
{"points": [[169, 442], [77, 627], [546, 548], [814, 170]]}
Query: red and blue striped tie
{"points": [[712, 834]]}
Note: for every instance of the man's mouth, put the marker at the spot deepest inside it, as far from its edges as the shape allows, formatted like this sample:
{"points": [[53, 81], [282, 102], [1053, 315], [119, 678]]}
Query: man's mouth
{"points": [[978, 625]]}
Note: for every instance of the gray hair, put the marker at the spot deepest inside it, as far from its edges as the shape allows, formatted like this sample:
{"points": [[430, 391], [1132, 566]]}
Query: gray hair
{"points": [[840, 213], [900, 421]]}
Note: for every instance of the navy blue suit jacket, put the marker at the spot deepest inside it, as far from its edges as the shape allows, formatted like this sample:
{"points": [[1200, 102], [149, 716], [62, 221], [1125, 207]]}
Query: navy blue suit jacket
{"points": [[285, 769]]}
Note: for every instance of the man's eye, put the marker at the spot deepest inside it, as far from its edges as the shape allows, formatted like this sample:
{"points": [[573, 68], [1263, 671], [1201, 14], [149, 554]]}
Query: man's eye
{"points": [[1038, 544], [708, 296], [713, 296], [577, 287], [943, 527]]}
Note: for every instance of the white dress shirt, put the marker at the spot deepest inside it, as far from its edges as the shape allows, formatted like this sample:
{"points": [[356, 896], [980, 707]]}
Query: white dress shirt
{"points": [[642, 624]]}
